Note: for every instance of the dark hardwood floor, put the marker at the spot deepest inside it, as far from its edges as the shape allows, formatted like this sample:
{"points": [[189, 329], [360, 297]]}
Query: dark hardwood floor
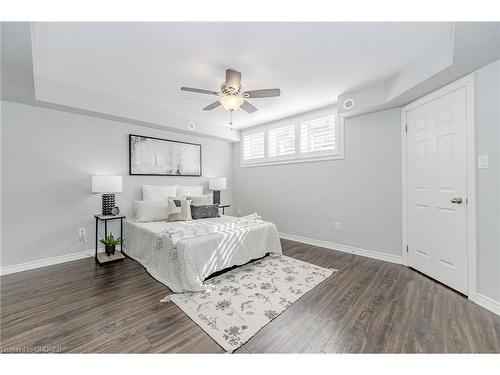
{"points": [[369, 306]]}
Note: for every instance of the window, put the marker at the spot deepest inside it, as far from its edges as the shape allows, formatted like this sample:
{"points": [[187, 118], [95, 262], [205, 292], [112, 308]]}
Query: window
{"points": [[253, 146], [281, 141], [317, 135], [309, 137]]}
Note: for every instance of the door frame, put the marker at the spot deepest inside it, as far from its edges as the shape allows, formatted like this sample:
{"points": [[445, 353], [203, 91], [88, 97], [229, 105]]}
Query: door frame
{"points": [[468, 83]]}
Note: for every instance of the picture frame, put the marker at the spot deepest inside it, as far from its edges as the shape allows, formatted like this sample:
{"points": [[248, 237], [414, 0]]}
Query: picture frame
{"points": [[151, 156]]}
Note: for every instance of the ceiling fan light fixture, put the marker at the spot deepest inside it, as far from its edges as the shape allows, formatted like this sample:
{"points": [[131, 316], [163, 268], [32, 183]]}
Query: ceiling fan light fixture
{"points": [[231, 102]]}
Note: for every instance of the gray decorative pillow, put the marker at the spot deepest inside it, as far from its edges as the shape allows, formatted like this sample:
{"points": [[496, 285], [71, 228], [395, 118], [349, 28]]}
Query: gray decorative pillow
{"points": [[204, 212]]}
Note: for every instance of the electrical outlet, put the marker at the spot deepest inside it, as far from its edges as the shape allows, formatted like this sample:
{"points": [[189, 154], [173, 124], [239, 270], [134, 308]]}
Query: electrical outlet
{"points": [[337, 226], [483, 162], [82, 232], [239, 211]]}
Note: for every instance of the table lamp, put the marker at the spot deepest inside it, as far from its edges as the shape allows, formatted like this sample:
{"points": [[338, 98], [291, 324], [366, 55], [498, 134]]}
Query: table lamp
{"points": [[107, 185], [217, 184]]}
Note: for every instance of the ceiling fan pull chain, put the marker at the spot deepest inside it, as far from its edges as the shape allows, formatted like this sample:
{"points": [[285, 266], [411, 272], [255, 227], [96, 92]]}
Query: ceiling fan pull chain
{"points": [[231, 119]]}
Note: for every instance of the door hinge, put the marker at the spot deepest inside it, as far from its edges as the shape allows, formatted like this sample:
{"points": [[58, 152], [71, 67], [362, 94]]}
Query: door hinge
{"points": [[406, 128], [406, 248], [466, 200]]}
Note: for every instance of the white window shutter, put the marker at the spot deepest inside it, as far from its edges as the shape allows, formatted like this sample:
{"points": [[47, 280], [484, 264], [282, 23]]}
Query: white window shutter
{"points": [[253, 146], [281, 141], [318, 135]]}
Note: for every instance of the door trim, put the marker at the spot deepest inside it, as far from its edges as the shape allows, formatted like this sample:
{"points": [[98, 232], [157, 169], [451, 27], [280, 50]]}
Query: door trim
{"points": [[468, 83]]}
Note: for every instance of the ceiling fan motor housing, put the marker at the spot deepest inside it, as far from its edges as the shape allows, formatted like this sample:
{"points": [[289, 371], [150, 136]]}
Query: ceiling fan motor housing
{"points": [[229, 90]]}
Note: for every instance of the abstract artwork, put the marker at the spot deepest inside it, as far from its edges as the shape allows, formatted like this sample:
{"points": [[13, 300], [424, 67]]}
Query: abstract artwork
{"points": [[150, 156]]}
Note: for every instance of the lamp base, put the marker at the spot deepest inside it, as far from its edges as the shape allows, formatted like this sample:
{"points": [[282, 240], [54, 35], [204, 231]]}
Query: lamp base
{"points": [[108, 202], [216, 196]]}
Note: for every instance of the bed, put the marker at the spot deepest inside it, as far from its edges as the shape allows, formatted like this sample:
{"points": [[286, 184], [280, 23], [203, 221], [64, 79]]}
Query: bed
{"points": [[182, 254]]}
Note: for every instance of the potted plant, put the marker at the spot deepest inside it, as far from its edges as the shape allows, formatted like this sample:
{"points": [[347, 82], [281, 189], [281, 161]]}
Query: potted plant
{"points": [[110, 243]]}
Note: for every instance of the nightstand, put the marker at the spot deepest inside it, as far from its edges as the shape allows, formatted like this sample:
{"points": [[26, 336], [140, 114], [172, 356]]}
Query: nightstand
{"points": [[102, 258], [223, 206]]}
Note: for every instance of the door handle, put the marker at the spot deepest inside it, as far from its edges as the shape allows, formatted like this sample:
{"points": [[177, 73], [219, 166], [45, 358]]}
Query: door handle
{"points": [[457, 200]]}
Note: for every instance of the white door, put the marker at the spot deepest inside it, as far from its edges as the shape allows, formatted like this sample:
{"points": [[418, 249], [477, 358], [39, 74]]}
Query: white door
{"points": [[437, 189]]}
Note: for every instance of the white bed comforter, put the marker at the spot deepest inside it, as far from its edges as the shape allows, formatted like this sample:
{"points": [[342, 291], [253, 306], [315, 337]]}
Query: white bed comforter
{"points": [[183, 254]]}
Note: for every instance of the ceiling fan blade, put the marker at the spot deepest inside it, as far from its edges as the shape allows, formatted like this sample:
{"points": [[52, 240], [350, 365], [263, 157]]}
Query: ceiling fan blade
{"points": [[266, 93], [233, 79], [200, 91], [247, 107], [212, 106]]}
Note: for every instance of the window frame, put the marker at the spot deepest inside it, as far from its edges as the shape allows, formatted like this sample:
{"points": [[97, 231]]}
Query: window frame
{"points": [[297, 156]]}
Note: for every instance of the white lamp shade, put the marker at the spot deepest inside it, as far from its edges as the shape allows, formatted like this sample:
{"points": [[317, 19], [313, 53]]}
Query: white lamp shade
{"points": [[106, 184], [217, 183]]}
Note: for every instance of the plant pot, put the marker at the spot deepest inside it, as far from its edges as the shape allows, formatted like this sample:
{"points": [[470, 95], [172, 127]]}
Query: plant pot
{"points": [[110, 249]]}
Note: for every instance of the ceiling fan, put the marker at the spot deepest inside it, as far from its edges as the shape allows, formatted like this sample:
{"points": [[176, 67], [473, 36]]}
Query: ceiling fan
{"points": [[231, 95]]}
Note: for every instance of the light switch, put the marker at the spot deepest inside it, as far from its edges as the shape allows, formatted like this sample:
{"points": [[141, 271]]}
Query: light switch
{"points": [[483, 162]]}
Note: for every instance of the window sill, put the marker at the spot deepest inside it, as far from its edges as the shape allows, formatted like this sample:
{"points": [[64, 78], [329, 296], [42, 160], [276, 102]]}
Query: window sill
{"points": [[292, 161]]}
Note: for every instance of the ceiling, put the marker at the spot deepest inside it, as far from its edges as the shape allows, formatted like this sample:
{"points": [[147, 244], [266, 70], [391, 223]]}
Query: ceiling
{"points": [[135, 70], [145, 64]]}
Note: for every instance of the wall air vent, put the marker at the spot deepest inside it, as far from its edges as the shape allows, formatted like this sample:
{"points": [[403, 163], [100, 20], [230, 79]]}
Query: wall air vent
{"points": [[348, 103]]}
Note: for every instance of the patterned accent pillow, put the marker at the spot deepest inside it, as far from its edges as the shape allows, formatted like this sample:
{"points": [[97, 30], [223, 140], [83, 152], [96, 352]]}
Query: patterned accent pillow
{"points": [[179, 209], [205, 212]]}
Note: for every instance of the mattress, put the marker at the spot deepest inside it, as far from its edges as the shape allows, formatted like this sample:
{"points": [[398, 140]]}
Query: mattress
{"points": [[181, 255]]}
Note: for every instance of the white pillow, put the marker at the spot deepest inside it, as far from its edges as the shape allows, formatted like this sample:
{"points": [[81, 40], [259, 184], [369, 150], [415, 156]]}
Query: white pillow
{"points": [[190, 190], [151, 210], [158, 193], [201, 200]]}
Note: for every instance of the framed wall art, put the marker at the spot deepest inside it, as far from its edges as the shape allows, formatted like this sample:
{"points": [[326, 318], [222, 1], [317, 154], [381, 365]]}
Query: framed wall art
{"points": [[149, 156]]}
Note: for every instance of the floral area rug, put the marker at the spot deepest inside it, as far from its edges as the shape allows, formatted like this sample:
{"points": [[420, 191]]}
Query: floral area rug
{"points": [[240, 302]]}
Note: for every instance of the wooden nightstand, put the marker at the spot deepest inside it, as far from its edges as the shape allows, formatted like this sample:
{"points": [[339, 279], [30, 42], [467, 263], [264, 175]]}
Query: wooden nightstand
{"points": [[102, 258], [223, 206]]}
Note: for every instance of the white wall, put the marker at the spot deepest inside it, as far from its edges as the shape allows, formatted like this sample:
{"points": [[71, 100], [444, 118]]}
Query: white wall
{"points": [[48, 158], [487, 119], [362, 191]]}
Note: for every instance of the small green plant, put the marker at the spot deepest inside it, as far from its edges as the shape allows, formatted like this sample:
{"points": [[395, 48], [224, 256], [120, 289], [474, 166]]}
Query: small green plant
{"points": [[111, 240]]}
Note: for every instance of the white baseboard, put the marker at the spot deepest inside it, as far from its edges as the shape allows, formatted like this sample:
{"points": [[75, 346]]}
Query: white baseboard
{"points": [[344, 248], [486, 302], [39, 263]]}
